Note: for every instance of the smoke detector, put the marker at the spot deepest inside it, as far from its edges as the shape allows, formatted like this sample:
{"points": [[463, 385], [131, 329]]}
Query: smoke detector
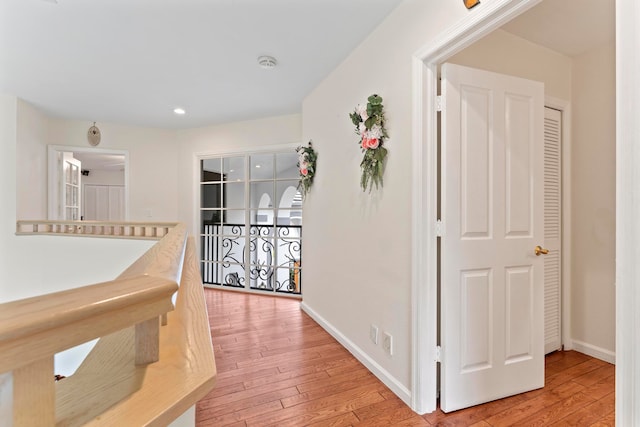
{"points": [[267, 62]]}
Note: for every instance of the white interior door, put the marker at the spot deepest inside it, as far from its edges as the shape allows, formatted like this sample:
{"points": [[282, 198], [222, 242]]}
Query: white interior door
{"points": [[492, 313], [70, 197], [552, 230]]}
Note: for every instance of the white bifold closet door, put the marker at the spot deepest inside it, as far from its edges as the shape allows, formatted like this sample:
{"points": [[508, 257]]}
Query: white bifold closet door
{"points": [[103, 202], [552, 230]]}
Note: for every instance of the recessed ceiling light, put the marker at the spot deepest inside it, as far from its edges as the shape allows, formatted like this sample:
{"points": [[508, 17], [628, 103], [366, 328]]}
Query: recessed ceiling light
{"points": [[267, 62], [179, 111], [258, 166]]}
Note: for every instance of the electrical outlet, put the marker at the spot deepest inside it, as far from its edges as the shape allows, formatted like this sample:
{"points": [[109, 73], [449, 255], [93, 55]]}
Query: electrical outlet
{"points": [[387, 343], [373, 333]]}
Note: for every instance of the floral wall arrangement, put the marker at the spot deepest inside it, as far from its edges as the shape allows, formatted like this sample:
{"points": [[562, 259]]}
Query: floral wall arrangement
{"points": [[307, 159], [369, 123]]}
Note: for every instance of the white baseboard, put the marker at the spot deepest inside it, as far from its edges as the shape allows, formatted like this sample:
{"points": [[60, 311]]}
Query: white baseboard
{"points": [[382, 374], [594, 351]]}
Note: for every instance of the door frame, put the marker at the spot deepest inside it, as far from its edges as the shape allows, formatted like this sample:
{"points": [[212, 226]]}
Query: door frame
{"points": [[479, 22], [483, 20], [53, 151]]}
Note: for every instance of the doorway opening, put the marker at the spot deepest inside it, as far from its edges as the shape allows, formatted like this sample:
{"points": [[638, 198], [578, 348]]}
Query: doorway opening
{"points": [[88, 184], [425, 81]]}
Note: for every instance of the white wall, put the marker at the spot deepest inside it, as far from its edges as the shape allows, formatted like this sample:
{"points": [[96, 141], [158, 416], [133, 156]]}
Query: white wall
{"points": [[153, 169], [357, 267], [593, 171], [8, 136], [504, 53], [31, 159], [221, 139], [34, 265]]}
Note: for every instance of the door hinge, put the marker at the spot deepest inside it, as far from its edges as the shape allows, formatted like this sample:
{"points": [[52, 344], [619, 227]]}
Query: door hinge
{"points": [[439, 105], [439, 228], [438, 354]]}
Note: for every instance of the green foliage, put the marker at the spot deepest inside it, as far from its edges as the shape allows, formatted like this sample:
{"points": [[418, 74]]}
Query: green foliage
{"points": [[370, 122], [373, 161], [372, 166], [310, 157], [355, 118]]}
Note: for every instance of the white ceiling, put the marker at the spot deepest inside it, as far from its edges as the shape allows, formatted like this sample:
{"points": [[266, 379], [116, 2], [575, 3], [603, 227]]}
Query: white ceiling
{"points": [[100, 161], [134, 61], [570, 27]]}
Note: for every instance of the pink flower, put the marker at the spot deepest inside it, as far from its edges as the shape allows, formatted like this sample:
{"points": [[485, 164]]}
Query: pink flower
{"points": [[370, 143], [304, 171]]}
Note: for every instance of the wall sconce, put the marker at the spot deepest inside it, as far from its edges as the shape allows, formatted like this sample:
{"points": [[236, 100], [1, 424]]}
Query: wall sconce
{"points": [[471, 3]]}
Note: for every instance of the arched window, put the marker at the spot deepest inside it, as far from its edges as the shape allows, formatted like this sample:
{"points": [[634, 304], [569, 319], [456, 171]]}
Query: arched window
{"points": [[265, 210]]}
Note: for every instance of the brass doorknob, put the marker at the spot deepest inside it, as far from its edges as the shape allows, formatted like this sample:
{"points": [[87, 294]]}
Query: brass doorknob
{"points": [[540, 250]]}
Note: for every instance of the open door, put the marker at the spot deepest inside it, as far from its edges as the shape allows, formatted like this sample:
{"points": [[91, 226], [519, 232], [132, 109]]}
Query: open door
{"points": [[492, 312], [70, 176]]}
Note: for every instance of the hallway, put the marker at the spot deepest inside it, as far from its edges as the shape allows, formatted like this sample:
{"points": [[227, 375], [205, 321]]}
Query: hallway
{"points": [[277, 367]]}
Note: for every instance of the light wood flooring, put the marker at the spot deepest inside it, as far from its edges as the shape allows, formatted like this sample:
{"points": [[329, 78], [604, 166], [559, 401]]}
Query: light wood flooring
{"points": [[277, 367]]}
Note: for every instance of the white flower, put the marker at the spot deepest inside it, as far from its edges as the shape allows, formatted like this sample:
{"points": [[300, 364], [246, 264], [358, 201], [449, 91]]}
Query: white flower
{"points": [[362, 112], [375, 132], [362, 129]]}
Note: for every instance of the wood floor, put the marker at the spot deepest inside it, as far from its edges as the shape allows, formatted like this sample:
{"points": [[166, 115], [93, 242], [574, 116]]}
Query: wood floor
{"points": [[277, 367]]}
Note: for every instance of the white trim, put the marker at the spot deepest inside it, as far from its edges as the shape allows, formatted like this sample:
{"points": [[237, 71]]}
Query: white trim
{"points": [[627, 213], [595, 351], [565, 107], [52, 176], [382, 374], [424, 242], [484, 19]]}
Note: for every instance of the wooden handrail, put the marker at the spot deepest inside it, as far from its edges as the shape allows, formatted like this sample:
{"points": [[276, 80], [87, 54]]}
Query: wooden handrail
{"points": [[47, 324], [110, 229], [151, 395], [125, 314]]}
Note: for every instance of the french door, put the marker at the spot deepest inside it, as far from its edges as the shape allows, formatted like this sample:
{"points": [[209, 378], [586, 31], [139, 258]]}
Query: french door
{"points": [[251, 222]]}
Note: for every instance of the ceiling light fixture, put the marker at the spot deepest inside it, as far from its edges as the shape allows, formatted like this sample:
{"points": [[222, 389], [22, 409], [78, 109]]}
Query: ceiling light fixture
{"points": [[258, 166], [267, 62], [179, 111]]}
